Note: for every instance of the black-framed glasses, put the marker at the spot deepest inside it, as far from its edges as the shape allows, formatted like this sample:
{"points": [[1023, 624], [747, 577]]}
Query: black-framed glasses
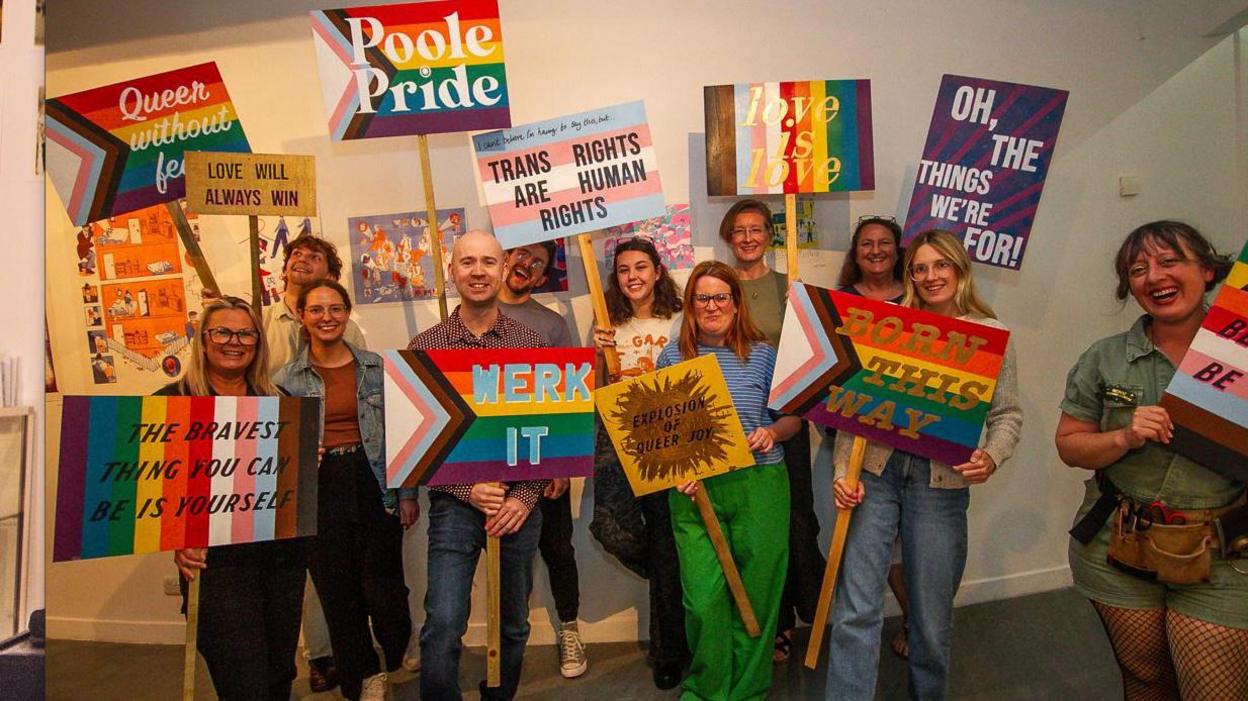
{"points": [[721, 299], [221, 336]]}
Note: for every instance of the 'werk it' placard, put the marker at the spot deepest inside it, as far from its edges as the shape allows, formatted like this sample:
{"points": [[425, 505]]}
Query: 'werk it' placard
{"points": [[250, 183]]}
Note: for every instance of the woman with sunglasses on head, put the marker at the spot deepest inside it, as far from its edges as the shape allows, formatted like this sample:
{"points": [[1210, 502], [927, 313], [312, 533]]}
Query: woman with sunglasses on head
{"points": [[752, 504], [1179, 624], [923, 500], [356, 557], [645, 309], [747, 229], [250, 595]]}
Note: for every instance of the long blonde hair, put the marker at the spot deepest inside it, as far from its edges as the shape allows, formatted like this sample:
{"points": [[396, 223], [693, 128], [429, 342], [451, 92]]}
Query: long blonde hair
{"points": [[946, 244], [196, 379]]}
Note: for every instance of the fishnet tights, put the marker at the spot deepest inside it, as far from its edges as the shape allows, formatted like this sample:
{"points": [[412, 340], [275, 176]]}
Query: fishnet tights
{"points": [[1167, 656]]}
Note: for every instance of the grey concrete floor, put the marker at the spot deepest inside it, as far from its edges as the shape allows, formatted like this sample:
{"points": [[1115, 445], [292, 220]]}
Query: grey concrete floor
{"points": [[1045, 646]]}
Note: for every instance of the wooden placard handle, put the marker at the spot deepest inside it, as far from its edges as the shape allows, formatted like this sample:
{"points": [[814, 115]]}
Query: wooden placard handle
{"points": [[790, 237], [493, 616], [835, 552], [193, 251], [601, 316], [192, 639], [256, 303], [435, 235], [731, 575]]}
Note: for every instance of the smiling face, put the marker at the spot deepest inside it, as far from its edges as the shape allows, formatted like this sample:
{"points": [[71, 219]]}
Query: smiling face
{"points": [[526, 268], [749, 237], [476, 268], [305, 265], [232, 357], [325, 314], [636, 275], [1169, 285], [713, 318], [876, 252], [935, 279]]}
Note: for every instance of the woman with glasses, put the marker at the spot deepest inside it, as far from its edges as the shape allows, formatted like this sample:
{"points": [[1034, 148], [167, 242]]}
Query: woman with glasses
{"points": [[752, 504], [923, 500], [644, 305], [1172, 639], [251, 594], [747, 229], [356, 558]]}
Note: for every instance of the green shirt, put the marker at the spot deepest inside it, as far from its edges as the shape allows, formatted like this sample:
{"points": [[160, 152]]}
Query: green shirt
{"points": [[765, 298], [1112, 378]]}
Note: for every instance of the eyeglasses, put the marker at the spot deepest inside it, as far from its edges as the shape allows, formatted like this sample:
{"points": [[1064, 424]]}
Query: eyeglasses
{"points": [[921, 271], [877, 217], [524, 259], [319, 311], [221, 336], [754, 232], [720, 300]]}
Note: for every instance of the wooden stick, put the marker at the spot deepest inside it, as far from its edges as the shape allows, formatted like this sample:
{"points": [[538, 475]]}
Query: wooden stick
{"points": [[731, 574], [193, 250], [435, 234], [835, 551], [601, 316], [790, 236], [256, 303], [493, 651], [192, 640]]}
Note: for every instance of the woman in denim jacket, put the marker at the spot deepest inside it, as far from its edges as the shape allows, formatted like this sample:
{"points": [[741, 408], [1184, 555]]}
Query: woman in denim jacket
{"points": [[356, 558]]}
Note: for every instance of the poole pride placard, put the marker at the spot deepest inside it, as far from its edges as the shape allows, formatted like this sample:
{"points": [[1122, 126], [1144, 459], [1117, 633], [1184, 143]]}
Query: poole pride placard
{"points": [[804, 136], [674, 425], [570, 175], [119, 148], [459, 417], [910, 379], [143, 474], [1208, 396], [251, 183], [983, 168], [412, 68]]}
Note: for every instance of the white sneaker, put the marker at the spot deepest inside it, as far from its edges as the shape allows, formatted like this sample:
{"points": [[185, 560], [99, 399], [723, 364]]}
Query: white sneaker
{"points": [[572, 659], [375, 688]]}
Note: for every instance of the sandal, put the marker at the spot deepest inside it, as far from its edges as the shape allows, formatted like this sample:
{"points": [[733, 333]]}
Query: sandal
{"points": [[900, 644], [784, 647]]}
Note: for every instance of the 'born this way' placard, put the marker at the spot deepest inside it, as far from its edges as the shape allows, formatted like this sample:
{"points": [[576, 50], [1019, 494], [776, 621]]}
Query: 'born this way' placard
{"points": [[144, 474]]}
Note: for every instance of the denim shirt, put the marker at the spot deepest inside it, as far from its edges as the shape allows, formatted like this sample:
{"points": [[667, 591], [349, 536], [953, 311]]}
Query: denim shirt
{"points": [[300, 379]]}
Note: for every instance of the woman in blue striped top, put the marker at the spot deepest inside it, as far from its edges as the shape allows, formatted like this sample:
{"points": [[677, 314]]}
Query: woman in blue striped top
{"points": [[752, 504]]}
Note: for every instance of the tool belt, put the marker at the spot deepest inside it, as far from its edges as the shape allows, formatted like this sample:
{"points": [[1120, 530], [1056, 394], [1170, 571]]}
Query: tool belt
{"points": [[1146, 547]]}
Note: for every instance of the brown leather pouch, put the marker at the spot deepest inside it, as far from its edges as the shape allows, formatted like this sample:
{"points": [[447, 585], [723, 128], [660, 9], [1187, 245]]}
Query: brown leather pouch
{"points": [[1173, 554], [1126, 546]]}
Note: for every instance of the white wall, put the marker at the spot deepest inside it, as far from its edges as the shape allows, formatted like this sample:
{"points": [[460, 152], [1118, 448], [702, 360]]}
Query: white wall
{"points": [[1136, 106]]}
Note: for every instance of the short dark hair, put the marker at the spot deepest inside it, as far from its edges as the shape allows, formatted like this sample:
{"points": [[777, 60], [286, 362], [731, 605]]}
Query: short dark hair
{"points": [[1170, 234], [745, 205], [851, 273], [315, 243]]}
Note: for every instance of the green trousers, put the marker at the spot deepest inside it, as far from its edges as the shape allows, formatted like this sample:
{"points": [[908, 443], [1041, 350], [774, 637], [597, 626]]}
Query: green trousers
{"points": [[753, 509]]}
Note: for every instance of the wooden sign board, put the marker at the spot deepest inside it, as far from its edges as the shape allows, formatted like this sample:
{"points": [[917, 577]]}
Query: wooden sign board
{"points": [[255, 184], [144, 474], [913, 380], [674, 425]]}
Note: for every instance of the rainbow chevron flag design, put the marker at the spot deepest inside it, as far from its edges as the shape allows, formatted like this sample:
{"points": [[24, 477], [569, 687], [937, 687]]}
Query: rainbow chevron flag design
{"points": [[144, 474]]}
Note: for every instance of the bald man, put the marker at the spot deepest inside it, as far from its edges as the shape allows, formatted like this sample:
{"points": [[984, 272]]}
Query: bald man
{"points": [[462, 515]]}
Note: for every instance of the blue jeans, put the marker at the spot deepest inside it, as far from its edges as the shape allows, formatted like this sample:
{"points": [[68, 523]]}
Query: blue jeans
{"points": [[456, 539], [932, 523]]}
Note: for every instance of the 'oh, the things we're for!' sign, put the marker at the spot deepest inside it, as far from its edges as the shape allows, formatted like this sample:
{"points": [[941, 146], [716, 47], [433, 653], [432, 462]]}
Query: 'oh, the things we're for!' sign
{"points": [[413, 68]]}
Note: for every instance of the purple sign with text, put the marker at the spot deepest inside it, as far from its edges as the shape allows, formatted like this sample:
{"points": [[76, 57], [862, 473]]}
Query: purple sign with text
{"points": [[988, 150]]}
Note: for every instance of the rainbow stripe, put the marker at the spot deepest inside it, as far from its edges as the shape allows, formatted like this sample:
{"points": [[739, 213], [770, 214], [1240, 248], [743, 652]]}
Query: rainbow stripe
{"points": [[789, 137], [1208, 396], [870, 368], [451, 419], [118, 148], [120, 492], [441, 24]]}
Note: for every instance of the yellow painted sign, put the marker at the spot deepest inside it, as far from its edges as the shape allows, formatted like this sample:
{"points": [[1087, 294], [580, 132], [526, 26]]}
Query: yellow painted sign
{"points": [[674, 425], [250, 183]]}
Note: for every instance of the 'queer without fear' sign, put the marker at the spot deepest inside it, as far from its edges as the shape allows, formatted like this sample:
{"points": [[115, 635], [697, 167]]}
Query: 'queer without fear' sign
{"points": [[983, 168], [806, 136], [144, 474], [119, 148], [412, 68], [909, 379], [570, 175], [674, 425], [461, 417], [1208, 396]]}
